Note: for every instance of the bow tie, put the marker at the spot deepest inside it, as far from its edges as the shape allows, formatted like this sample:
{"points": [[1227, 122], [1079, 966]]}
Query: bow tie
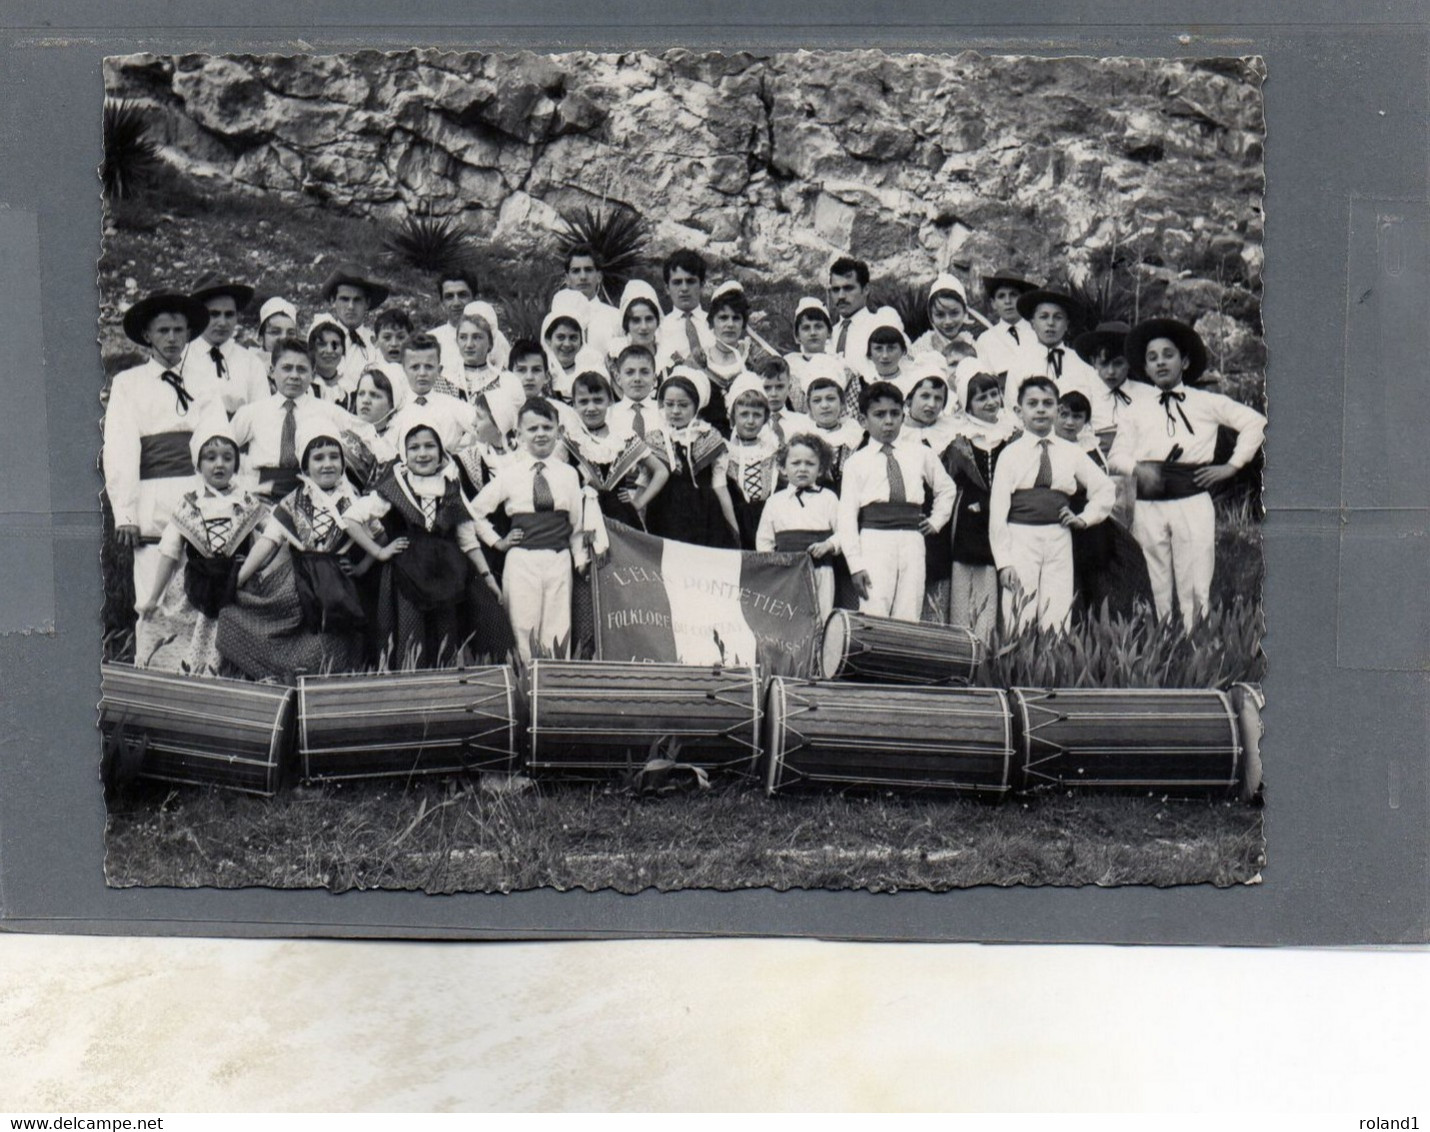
{"points": [[1121, 395], [182, 397], [1169, 398], [1055, 357], [801, 492]]}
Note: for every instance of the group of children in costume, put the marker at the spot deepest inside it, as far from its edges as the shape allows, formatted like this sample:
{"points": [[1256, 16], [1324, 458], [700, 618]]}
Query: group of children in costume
{"points": [[383, 495]]}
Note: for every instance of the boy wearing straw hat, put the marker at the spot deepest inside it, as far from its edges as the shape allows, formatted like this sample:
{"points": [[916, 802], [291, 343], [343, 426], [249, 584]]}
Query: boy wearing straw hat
{"points": [[148, 420], [999, 346], [351, 296], [215, 365], [1168, 444], [1051, 314]]}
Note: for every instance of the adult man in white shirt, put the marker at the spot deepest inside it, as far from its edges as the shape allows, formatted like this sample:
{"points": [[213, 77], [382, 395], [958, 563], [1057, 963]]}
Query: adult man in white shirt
{"points": [[849, 303], [214, 365]]}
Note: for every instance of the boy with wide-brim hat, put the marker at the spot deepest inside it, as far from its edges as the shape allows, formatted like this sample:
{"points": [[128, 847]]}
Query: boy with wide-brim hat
{"points": [[1104, 348], [351, 296], [1051, 313], [1167, 442], [148, 421], [998, 346], [215, 365]]}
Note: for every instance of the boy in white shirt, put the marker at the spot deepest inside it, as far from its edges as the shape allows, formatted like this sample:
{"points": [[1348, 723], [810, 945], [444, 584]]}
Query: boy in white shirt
{"points": [[998, 346], [1168, 444], [550, 518], [1029, 512], [215, 365], [422, 366], [881, 520]]}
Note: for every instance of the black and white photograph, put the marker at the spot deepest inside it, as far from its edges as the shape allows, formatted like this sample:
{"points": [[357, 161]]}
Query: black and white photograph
{"points": [[813, 470]]}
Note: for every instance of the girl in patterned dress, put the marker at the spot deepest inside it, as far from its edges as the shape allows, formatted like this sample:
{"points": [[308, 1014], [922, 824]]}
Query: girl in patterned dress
{"points": [[368, 458], [297, 608], [209, 529], [611, 463], [753, 460], [694, 505], [436, 593]]}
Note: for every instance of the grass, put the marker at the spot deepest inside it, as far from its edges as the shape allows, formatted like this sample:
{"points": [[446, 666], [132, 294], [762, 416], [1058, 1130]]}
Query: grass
{"points": [[445, 836]]}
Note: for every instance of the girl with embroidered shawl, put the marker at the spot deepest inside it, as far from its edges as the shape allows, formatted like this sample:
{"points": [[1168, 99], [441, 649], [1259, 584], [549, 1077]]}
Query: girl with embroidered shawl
{"points": [[369, 455], [436, 592], [611, 463], [984, 432], [296, 608], [753, 460], [209, 528], [694, 505]]}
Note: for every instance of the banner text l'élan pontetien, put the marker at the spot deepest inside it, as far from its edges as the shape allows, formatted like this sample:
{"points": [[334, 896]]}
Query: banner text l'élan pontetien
{"points": [[673, 602]]}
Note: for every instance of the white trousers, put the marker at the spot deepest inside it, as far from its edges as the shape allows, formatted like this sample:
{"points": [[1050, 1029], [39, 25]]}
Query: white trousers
{"points": [[536, 590], [1042, 559], [1178, 539], [894, 561]]}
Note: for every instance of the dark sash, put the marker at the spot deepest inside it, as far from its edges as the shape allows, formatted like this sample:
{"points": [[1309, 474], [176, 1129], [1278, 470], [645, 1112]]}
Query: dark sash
{"points": [[794, 541], [1176, 482], [210, 583], [431, 572], [890, 516], [543, 530], [327, 595], [1036, 506], [164, 455], [278, 482]]}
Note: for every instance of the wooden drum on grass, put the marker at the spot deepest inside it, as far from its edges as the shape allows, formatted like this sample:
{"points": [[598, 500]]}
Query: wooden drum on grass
{"points": [[869, 735], [592, 715], [197, 730], [398, 724], [1178, 741], [882, 650]]}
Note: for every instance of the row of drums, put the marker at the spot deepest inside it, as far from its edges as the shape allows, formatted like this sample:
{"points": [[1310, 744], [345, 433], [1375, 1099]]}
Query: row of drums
{"points": [[594, 718]]}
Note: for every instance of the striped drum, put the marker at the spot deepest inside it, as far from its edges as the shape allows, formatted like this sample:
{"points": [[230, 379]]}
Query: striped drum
{"points": [[870, 735], [1181, 741], [399, 724], [198, 730], [593, 715]]}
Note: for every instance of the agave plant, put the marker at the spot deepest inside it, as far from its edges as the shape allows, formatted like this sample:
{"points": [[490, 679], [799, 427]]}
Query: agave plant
{"points": [[1106, 298], [911, 301], [617, 238], [430, 243], [523, 311], [131, 155]]}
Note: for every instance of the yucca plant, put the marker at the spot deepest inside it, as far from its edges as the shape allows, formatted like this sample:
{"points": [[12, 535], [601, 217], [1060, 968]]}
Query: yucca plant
{"points": [[1106, 298], [523, 311], [131, 156], [911, 301], [617, 237], [430, 243]]}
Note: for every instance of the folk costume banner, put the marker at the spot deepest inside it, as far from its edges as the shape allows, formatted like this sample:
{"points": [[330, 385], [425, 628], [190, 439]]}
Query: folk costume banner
{"points": [[661, 600]]}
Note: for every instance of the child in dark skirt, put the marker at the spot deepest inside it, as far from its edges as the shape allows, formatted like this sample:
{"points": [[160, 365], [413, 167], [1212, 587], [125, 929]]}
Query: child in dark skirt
{"points": [[208, 530], [971, 460], [436, 593], [1108, 565], [694, 505], [753, 460], [609, 461], [297, 609]]}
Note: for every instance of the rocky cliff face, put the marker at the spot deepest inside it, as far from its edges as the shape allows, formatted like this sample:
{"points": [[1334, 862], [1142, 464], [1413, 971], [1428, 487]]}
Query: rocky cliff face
{"points": [[770, 164]]}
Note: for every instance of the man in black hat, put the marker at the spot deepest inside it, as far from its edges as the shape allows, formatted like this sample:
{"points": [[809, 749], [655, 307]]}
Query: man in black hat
{"points": [[998, 346], [351, 296], [1168, 443], [214, 364], [1052, 314], [148, 419]]}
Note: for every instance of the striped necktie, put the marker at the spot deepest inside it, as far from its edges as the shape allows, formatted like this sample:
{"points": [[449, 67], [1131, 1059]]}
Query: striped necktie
{"points": [[897, 494], [541, 497], [288, 439], [1045, 465]]}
